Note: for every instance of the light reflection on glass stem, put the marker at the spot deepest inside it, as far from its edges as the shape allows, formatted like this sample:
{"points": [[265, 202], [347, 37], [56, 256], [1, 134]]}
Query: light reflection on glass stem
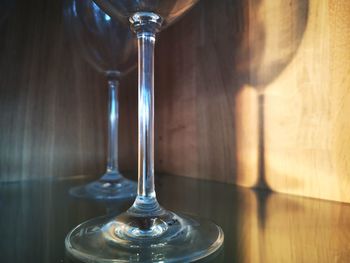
{"points": [[113, 120], [146, 25], [146, 115]]}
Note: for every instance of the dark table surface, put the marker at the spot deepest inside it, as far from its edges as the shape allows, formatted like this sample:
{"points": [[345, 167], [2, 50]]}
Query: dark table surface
{"points": [[259, 226]]}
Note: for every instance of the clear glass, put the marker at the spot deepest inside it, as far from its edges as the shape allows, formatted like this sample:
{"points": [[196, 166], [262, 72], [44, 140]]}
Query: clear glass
{"points": [[169, 10], [111, 49], [146, 232]]}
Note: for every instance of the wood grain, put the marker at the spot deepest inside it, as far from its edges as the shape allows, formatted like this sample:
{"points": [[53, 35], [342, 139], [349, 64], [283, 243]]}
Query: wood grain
{"points": [[257, 93], [53, 105], [249, 92], [307, 138], [211, 56]]}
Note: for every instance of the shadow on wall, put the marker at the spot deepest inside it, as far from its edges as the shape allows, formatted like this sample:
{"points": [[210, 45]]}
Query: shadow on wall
{"points": [[266, 36], [214, 67]]}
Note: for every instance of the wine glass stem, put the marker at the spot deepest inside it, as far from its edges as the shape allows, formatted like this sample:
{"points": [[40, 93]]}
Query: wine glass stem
{"points": [[146, 41], [145, 25], [113, 120]]}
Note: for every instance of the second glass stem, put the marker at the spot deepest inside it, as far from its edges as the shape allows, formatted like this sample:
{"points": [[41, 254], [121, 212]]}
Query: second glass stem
{"points": [[113, 119]]}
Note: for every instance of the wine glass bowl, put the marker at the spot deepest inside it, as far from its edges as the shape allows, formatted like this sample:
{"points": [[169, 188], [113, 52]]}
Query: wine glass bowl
{"points": [[106, 44], [168, 10]]}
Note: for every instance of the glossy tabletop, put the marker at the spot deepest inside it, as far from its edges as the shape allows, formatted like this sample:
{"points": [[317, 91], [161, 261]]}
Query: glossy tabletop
{"points": [[259, 226]]}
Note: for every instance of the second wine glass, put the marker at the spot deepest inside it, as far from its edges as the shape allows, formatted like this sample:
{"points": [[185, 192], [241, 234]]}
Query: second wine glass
{"points": [[112, 50]]}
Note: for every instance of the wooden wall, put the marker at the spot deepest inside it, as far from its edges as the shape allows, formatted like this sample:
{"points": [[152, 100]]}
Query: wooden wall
{"points": [[52, 104], [252, 92], [257, 93]]}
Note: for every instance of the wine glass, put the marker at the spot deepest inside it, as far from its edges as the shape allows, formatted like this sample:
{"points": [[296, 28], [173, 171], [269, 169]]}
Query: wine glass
{"points": [[112, 50], [146, 232]]}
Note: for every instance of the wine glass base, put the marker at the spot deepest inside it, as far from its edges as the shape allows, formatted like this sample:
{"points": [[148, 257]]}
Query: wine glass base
{"points": [[169, 237], [103, 189]]}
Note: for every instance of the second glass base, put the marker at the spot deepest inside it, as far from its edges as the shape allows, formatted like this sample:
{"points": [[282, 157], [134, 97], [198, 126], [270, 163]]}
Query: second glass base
{"points": [[168, 237], [109, 187]]}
